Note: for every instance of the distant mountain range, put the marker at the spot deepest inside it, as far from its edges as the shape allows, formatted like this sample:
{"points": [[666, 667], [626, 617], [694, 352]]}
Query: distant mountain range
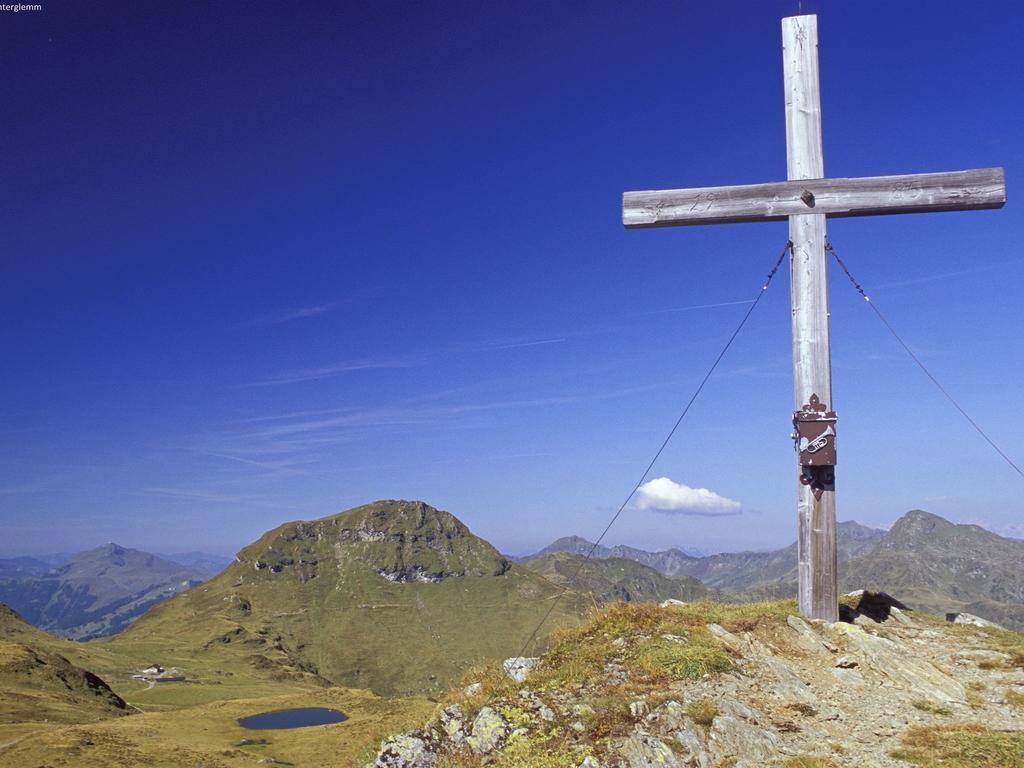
{"points": [[933, 564], [739, 571], [17, 567], [93, 593], [616, 578], [204, 562], [670, 562], [925, 560]]}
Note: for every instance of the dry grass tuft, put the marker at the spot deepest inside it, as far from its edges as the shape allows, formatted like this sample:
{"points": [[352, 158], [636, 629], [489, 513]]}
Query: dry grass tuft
{"points": [[808, 761], [962, 746]]}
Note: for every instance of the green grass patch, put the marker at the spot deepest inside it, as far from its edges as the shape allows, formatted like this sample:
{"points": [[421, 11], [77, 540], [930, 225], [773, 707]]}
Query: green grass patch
{"points": [[962, 746], [547, 750], [661, 659]]}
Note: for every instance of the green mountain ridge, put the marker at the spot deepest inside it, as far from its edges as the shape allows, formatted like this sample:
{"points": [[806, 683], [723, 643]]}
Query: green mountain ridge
{"points": [[37, 680], [394, 596]]}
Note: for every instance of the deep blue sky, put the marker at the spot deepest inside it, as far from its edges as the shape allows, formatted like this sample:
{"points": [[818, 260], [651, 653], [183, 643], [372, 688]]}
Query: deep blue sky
{"points": [[266, 261]]}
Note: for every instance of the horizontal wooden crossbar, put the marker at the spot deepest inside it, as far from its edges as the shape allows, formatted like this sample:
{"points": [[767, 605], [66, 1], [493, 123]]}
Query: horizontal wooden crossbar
{"points": [[867, 196]]}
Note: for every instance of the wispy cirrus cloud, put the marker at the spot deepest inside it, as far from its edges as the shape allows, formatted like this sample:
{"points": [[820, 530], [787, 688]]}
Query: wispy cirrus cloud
{"points": [[411, 360], [669, 497], [946, 275], [191, 494], [692, 307], [297, 375], [295, 313], [428, 356], [300, 442]]}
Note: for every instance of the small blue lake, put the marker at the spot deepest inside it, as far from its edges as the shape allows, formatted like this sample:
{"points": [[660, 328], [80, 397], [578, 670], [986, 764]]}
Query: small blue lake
{"points": [[302, 717]]}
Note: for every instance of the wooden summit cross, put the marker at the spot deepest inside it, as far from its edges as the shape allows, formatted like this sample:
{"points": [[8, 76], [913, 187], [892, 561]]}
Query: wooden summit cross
{"points": [[807, 199]]}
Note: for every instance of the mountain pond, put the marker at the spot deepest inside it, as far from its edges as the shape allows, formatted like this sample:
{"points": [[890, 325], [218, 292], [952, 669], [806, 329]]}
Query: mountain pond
{"points": [[301, 717]]}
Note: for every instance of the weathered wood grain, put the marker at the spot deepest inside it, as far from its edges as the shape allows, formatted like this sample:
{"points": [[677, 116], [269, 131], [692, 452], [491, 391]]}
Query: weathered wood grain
{"points": [[804, 156], [812, 366], [808, 199], [865, 196]]}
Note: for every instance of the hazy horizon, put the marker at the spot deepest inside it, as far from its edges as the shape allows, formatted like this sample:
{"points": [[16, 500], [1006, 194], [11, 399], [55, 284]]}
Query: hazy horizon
{"points": [[609, 542]]}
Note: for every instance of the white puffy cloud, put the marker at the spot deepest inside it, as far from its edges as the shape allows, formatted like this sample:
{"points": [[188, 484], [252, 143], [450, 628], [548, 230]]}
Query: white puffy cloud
{"points": [[666, 495]]}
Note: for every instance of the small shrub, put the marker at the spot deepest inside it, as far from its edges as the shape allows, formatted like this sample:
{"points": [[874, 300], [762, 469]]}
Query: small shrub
{"points": [[931, 707], [703, 712], [804, 709], [610, 717]]}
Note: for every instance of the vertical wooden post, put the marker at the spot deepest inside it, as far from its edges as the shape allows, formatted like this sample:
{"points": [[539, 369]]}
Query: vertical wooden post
{"points": [[812, 369]]}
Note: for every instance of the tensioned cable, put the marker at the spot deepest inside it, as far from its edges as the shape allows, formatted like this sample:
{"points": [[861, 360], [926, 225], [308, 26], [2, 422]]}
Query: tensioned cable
{"points": [[857, 286], [657, 455]]}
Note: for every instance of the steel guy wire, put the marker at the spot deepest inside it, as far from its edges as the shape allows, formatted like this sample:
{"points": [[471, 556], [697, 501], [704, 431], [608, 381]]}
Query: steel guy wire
{"points": [[661, 449], [857, 286]]}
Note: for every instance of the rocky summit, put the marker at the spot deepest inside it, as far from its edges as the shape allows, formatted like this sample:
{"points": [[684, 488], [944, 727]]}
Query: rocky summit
{"points": [[708, 685], [403, 541]]}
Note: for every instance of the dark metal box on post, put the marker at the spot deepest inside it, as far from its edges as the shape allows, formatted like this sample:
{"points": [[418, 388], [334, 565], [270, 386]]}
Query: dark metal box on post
{"points": [[815, 436]]}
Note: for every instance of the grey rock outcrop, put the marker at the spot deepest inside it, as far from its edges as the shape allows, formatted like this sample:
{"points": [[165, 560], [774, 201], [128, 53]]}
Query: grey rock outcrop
{"points": [[410, 750], [642, 750], [489, 731], [970, 618], [885, 656], [742, 734]]}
